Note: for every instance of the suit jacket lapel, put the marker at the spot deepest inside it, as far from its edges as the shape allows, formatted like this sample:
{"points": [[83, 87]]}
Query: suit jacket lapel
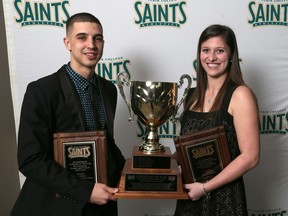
{"points": [[72, 98]]}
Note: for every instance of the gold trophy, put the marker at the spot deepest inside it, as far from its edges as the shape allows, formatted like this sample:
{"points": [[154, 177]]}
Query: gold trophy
{"points": [[152, 173]]}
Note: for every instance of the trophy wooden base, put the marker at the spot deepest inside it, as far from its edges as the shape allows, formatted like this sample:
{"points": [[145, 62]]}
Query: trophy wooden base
{"points": [[151, 183]]}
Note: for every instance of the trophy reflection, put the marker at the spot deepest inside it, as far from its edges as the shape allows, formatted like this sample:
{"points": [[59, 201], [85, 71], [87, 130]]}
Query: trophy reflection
{"points": [[152, 168]]}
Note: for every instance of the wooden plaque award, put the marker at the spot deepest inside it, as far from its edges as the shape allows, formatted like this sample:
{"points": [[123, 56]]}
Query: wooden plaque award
{"points": [[202, 155], [83, 153]]}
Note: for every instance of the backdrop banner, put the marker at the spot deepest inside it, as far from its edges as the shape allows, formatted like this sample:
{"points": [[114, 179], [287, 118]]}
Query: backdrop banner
{"points": [[156, 40]]}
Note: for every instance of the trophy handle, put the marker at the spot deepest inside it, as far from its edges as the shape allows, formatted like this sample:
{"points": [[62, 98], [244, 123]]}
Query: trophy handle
{"points": [[124, 78], [184, 76]]}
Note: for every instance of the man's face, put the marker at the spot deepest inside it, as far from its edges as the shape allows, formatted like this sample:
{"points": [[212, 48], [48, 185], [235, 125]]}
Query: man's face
{"points": [[85, 43]]}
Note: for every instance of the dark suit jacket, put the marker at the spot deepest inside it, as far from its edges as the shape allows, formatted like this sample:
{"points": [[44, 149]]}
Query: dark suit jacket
{"points": [[51, 105]]}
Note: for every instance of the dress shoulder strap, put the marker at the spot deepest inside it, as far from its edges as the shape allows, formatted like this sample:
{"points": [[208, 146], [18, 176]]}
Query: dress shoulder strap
{"points": [[227, 98], [225, 104]]}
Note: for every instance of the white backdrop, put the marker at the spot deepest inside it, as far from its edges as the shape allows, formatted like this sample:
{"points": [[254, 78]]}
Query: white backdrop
{"points": [[157, 40]]}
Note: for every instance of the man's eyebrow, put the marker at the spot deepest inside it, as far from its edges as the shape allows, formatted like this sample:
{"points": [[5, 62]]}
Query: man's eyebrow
{"points": [[98, 35], [83, 34]]}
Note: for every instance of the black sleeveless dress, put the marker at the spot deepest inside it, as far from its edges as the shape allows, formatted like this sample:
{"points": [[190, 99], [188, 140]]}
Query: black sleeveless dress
{"points": [[230, 199]]}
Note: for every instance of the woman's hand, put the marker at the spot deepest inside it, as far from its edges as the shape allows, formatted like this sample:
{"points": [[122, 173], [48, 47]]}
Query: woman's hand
{"points": [[195, 190]]}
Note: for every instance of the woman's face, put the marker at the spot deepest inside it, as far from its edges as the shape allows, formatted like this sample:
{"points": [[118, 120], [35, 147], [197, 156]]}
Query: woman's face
{"points": [[215, 56]]}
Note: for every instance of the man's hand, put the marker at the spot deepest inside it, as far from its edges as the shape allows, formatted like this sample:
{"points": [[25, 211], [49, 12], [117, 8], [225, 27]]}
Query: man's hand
{"points": [[101, 194]]}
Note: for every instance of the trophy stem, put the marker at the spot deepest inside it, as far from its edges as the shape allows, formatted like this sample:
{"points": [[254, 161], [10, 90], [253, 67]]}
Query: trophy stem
{"points": [[151, 143]]}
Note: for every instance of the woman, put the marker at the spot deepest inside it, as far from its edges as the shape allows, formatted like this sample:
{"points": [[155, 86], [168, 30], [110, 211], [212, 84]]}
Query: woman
{"points": [[221, 98]]}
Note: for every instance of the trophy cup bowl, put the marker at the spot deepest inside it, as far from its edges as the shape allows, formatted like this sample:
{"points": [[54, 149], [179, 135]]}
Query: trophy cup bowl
{"points": [[153, 103]]}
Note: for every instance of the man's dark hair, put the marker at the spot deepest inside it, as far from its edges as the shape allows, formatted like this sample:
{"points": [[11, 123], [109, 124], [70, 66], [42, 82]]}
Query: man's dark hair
{"points": [[81, 17]]}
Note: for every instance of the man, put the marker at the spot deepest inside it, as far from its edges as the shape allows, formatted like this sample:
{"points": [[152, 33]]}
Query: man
{"points": [[60, 103]]}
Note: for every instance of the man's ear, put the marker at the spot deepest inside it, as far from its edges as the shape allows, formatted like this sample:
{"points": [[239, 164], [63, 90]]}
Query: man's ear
{"points": [[67, 43]]}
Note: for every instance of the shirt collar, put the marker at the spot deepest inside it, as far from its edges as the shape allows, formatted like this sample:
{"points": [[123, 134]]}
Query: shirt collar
{"points": [[80, 81]]}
